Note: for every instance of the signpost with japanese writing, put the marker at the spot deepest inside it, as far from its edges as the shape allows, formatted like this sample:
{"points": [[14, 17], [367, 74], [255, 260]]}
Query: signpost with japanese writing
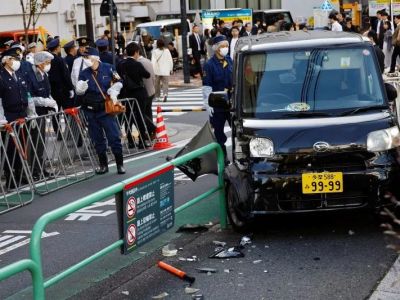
{"points": [[147, 208]]}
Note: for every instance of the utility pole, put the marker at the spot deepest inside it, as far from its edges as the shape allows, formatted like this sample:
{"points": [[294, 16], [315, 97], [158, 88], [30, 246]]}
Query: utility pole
{"points": [[110, 3], [184, 24], [88, 17]]}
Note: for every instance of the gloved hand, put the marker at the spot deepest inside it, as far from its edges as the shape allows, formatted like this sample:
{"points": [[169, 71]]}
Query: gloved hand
{"points": [[81, 87], [114, 91], [3, 119], [52, 103], [71, 94], [207, 90]]}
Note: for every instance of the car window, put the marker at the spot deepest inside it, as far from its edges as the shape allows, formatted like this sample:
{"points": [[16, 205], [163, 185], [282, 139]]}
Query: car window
{"points": [[327, 80]]}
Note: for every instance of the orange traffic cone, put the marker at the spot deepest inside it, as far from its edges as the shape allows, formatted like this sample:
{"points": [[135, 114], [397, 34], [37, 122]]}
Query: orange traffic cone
{"points": [[161, 133]]}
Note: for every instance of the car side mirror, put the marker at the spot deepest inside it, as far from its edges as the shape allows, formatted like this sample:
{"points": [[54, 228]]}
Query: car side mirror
{"points": [[219, 100], [391, 92]]}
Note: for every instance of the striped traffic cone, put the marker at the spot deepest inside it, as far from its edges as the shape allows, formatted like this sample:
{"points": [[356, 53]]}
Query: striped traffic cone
{"points": [[161, 133]]}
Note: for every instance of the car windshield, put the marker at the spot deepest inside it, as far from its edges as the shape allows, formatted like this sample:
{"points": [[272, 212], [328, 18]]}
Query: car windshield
{"points": [[310, 81]]}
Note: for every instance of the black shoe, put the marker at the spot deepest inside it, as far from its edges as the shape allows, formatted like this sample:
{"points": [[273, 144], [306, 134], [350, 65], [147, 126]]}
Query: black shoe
{"points": [[131, 145], [120, 169], [101, 170], [103, 161], [165, 99]]}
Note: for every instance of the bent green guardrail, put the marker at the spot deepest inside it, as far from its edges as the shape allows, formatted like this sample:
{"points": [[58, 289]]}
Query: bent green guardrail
{"points": [[34, 265]]}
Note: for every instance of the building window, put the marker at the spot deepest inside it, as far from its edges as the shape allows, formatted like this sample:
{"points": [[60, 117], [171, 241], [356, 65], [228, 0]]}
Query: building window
{"points": [[254, 4], [199, 4]]}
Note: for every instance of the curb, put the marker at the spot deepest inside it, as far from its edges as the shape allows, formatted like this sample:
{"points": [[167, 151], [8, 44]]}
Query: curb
{"points": [[389, 286]]}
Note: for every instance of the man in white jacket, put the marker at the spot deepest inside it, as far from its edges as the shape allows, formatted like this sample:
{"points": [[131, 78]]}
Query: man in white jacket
{"points": [[163, 66]]}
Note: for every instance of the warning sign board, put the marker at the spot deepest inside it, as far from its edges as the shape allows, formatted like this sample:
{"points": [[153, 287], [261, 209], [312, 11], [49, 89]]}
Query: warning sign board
{"points": [[147, 208]]}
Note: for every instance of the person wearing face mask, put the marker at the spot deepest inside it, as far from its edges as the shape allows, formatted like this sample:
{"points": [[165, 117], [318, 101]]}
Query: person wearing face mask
{"points": [[79, 64], [14, 90], [218, 77], [94, 83], [40, 91]]}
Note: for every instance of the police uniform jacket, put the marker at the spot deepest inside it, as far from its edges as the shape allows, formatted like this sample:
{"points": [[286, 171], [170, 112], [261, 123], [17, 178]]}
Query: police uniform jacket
{"points": [[106, 57], [69, 60], [218, 75], [93, 99], [60, 81], [39, 87], [14, 94]]}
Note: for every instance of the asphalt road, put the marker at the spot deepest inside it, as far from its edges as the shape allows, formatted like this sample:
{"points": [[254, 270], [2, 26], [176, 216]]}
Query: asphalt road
{"points": [[332, 256]]}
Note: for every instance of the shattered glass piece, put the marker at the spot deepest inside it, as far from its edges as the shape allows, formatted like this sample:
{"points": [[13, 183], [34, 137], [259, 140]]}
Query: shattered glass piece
{"points": [[189, 290], [351, 232], [169, 250], [197, 297], [206, 270], [161, 296], [227, 270], [192, 228], [246, 240], [232, 252], [125, 293], [220, 244], [218, 249], [265, 271], [257, 261]]}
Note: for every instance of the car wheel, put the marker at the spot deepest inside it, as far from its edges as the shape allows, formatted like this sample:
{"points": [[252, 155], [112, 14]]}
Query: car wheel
{"points": [[238, 213]]}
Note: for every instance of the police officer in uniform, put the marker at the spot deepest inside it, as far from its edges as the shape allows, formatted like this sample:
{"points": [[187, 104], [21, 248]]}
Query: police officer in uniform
{"points": [[218, 77], [105, 55], [79, 65], [71, 52], [40, 91], [13, 106], [100, 75]]}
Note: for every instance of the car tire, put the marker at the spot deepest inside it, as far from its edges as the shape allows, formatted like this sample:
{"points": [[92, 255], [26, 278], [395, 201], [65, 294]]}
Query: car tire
{"points": [[239, 216]]}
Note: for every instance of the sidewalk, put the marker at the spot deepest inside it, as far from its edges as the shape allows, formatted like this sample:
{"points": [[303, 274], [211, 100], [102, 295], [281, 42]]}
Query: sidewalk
{"points": [[389, 286], [176, 80]]}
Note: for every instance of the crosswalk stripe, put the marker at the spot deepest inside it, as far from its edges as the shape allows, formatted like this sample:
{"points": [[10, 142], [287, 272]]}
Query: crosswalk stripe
{"points": [[180, 102]]}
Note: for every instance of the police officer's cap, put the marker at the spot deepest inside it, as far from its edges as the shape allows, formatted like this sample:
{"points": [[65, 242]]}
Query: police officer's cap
{"points": [[219, 39], [102, 43], [90, 51], [53, 44], [13, 52], [18, 45], [83, 41], [69, 45], [41, 57]]}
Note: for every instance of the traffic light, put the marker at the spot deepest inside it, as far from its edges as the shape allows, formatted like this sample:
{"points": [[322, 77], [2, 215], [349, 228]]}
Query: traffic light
{"points": [[105, 8]]}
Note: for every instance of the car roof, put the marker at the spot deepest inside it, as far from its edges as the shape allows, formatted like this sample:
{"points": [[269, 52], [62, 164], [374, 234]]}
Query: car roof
{"points": [[297, 39], [160, 23]]}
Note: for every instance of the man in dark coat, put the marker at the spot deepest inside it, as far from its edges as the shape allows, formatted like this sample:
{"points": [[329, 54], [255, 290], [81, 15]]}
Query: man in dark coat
{"points": [[196, 43], [71, 51]]}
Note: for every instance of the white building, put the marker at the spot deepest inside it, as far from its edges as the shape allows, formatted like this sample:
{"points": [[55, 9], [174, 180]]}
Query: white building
{"points": [[66, 18]]}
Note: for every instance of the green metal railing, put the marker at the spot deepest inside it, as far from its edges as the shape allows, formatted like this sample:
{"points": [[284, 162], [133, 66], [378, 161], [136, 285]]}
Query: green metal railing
{"points": [[34, 264]]}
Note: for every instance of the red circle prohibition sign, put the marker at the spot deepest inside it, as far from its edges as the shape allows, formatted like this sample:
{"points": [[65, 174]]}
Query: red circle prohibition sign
{"points": [[131, 234]]}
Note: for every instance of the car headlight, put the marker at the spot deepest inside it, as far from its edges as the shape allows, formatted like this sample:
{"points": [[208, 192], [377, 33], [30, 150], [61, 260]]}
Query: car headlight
{"points": [[261, 147], [382, 140]]}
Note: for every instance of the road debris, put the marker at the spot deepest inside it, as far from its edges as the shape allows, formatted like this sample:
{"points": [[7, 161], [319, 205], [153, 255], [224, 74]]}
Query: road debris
{"points": [[351, 232], [192, 228], [179, 273], [169, 250], [233, 252], [257, 261], [189, 290], [227, 270], [125, 293], [316, 258], [220, 244], [161, 296], [206, 270], [197, 297], [246, 240], [193, 258]]}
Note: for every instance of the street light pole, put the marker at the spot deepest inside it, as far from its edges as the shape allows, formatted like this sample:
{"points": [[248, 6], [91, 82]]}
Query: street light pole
{"points": [[184, 27], [110, 2], [88, 17]]}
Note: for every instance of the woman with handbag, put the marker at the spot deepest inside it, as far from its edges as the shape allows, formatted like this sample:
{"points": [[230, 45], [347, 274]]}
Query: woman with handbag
{"points": [[163, 67], [99, 85]]}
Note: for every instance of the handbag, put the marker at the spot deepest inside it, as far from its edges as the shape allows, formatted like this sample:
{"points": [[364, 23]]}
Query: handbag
{"points": [[111, 108]]}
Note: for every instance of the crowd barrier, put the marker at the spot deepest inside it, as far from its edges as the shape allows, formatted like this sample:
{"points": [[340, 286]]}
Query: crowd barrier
{"points": [[34, 263]]}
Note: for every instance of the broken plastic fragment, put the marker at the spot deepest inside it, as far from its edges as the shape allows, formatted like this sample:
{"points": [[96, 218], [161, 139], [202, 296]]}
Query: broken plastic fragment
{"points": [[218, 243], [232, 252], [257, 261], [246, 240], [142, 253], [189, 290], [206, 270], [351, 232], [192, 228], [169, 250], [265, 271], [193, 258], [161, 296], [125, 293], [227, 270], [197, 297]]}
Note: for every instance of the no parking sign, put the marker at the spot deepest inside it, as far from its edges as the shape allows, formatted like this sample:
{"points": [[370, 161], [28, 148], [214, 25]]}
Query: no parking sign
{"points": [[147, 208]]}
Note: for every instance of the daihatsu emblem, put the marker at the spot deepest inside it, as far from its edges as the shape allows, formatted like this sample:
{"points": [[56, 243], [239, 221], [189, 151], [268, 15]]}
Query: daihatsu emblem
{"points": [[321, 146]]}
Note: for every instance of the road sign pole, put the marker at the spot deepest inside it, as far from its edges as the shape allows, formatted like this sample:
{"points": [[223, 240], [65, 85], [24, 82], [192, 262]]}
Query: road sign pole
{"points": [[88, 17], [110, 3], [184, 24]]}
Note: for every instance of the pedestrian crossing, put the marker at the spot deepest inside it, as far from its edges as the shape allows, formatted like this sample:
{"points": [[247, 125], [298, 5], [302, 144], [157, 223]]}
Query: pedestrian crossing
{"points": [[180, 102]]}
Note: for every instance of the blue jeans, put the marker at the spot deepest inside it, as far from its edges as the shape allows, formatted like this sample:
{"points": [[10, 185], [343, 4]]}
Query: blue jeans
{"points": [[100, 123]]}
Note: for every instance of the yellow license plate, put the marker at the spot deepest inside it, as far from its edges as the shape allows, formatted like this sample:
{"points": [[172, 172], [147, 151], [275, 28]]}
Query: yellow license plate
{"points": [[317, 183]]}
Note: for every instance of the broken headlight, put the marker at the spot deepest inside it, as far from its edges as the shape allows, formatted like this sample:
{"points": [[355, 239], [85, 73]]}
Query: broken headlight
{"points": [[261, 147], [382, 140]]}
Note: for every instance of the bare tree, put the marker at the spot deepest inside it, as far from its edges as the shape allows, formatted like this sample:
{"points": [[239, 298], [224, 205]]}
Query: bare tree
{"points": [[31, 11]]}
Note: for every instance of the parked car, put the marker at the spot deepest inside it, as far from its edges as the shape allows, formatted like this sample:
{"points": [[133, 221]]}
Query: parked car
{"points": [[314, 127], [271, 16]]}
